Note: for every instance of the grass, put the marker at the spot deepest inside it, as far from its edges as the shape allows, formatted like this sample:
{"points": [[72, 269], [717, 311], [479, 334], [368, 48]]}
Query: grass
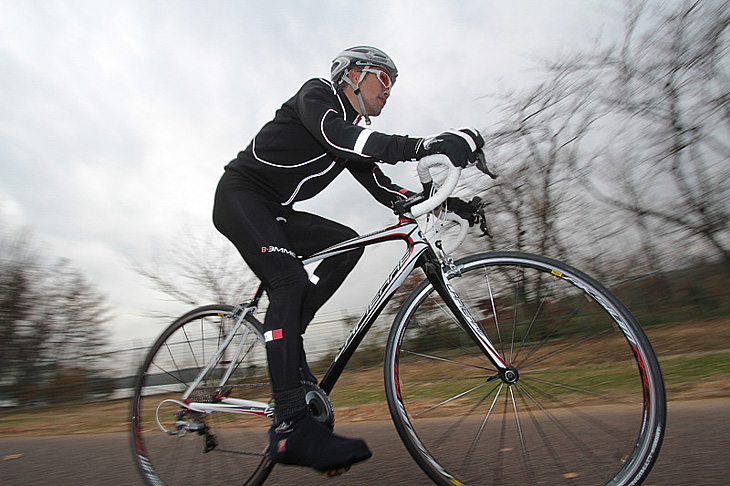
{"points": [[695, 361], [702, 375]]}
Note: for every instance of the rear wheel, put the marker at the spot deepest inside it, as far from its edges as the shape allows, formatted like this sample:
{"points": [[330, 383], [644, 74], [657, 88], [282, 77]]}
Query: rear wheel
{"points": [[175, 445], [586, 400]]}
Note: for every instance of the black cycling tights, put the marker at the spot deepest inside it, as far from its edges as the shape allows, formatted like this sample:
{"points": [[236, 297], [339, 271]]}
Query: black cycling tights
{"points": [[271, 238]]}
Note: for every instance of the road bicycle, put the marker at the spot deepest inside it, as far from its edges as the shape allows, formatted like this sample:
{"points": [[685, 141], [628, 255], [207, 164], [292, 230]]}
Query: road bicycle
{"points": [[500, 368]]}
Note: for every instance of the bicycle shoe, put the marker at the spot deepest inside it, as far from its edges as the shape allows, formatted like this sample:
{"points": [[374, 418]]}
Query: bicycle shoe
{"points": [[302, 441]]}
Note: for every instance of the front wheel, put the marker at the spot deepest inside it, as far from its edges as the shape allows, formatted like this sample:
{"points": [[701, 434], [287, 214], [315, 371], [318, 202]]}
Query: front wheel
{"points": [[175, 444], [586, 405]]}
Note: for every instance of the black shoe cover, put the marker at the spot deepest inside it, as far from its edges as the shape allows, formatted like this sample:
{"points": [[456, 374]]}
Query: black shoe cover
{"points": [[302, 441]]}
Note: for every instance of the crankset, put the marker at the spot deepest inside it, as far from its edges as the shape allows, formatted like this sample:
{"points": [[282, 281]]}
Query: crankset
{"points": [[319, 404]]}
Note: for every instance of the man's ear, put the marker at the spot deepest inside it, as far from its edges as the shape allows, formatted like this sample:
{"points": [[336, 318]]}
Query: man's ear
{"points": [[354, 75]]}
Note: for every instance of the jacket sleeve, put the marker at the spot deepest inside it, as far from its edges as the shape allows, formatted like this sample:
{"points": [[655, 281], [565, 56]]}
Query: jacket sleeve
{"points": [[323, 114], [378, 184]]}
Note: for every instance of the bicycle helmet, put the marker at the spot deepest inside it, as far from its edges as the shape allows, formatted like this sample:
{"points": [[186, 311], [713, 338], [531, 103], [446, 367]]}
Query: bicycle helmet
{"points": [[360, 57]]}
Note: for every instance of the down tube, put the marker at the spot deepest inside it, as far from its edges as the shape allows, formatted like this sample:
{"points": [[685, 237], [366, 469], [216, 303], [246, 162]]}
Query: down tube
{"points": [[392, 283]]}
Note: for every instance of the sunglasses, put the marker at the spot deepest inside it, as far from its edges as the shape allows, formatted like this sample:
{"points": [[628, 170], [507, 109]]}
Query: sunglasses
{"points": [[381, 75]]}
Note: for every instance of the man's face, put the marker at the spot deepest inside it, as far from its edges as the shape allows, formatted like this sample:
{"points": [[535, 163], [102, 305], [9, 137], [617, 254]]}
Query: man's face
{"points": [[374, 93]]}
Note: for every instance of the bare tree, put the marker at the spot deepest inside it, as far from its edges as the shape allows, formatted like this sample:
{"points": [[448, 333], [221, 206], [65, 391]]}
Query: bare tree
{"points": [[666, 90], [51, 320], [535, 153], [15, 293], [198, 270], [74, 312]]}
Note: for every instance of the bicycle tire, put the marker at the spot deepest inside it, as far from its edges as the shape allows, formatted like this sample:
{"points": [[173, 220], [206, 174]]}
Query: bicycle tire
{"points": [[177, 455], [589, 406]]}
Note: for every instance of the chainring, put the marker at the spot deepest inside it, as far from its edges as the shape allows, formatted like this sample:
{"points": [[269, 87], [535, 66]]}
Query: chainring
{"points": [[319, 404]]}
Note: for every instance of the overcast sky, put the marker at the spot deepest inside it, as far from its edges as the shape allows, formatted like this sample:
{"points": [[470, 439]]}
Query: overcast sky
{"points": [[117, 117]]}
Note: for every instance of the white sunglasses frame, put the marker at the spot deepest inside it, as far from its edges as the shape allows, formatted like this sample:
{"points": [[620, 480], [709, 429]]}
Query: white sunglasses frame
{"points": [[377, 73]]}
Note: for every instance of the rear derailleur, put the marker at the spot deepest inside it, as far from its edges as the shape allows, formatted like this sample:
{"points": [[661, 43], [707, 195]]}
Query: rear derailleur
{"points": [[189, 421]]}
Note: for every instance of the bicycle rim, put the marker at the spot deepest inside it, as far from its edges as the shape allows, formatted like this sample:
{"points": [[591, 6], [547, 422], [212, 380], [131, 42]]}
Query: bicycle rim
{"points": [[174, 446], [588, 407]]}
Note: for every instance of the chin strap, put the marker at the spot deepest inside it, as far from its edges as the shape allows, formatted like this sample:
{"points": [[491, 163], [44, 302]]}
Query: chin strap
{"points": [[356, 89]]}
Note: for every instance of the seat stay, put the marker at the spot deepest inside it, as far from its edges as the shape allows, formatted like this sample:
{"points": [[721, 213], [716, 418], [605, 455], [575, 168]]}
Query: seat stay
{"points": [[221, 349]]}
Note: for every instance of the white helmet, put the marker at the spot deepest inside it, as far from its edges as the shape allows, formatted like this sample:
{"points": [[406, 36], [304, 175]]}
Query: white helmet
{"points": [[361, 56]]}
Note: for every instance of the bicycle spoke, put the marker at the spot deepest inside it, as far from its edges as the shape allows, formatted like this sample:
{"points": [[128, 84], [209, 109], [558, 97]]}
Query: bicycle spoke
{"points": [[529, 329], [449, 400], [525, 457], [176, 445], [190, 348], [456, 426], [514, 328], [470, 453], [580, 445], [171, 356], [568, 347], [437, 358], [501, 449], [604, 426], [494, 313], [537, 347], [179, 380], [571, 388], [574, 405], [543, 436], [442, 337]]}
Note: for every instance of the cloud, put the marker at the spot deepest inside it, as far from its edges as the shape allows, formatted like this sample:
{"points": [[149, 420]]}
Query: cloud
{"points": [[116, 118]]}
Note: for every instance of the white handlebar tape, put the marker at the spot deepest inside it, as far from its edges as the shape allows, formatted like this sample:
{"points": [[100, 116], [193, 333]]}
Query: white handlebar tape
{"points": [[424, 174]]}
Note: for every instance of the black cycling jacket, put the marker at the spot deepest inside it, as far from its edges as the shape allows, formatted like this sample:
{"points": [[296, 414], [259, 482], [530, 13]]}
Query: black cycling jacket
{"points": [[313, 137]]}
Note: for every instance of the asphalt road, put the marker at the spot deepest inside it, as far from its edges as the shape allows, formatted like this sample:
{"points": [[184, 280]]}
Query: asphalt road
{"points": [[696, 451]]}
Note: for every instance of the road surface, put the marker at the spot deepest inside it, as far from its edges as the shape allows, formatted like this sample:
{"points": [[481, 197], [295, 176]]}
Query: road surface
{"points": [[696, 451]]}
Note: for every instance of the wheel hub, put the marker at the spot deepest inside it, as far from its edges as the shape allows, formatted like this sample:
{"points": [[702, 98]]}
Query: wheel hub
{"points": [[510, 375]]}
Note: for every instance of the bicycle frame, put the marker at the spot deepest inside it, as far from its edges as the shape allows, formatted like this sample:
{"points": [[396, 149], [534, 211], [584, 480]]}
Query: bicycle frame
{"points": [[418, 253]]}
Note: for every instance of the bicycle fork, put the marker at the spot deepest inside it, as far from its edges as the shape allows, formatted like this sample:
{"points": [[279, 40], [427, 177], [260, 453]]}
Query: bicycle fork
{"points": [[435, 272]]}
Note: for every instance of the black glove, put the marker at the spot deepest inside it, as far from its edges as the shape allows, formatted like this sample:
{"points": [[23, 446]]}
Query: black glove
{"points": [[465, 210], [460, 146]]}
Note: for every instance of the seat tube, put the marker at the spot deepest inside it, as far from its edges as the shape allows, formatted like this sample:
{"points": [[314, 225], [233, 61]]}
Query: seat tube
{"points": [[439, 280]]}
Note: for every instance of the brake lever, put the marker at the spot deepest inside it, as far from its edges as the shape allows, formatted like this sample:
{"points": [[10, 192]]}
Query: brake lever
{"points": [[483, 224], [479, 204], [482, 165]]}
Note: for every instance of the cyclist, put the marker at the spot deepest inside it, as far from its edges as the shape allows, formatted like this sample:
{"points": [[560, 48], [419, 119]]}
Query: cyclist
{"points": [[313, 138]]}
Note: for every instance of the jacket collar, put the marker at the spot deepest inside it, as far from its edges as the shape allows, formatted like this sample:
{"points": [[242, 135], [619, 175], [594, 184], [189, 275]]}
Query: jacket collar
{"points": [[351, 114]]}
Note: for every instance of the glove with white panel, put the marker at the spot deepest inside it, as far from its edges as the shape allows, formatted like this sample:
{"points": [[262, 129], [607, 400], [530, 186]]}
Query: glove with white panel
{"points": [[462, 147]]}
